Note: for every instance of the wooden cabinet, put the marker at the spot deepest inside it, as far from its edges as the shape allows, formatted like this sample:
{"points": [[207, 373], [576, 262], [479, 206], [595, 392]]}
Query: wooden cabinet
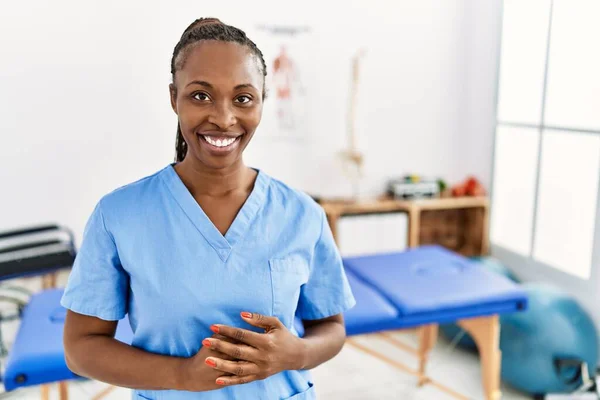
{"points": [[457, 223]]}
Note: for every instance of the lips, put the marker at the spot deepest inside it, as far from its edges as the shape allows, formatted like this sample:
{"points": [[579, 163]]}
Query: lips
{"points": [[219, 143]]}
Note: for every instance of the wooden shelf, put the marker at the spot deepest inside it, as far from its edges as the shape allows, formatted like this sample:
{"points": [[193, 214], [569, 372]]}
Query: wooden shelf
{"points": [[383, 205], [459, 223]]}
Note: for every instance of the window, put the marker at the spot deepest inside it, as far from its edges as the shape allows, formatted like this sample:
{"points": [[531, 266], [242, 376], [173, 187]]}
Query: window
{"points": [[514, 178], [522, 61], [547, 148]]}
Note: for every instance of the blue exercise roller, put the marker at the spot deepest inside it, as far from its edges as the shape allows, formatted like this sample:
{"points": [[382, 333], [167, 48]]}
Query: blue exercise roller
{"points": [[495, 265], [544, 347], [453, 331]]}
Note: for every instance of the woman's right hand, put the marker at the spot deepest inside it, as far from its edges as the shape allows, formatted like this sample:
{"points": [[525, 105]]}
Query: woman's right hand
{"points": [[198, 376]]}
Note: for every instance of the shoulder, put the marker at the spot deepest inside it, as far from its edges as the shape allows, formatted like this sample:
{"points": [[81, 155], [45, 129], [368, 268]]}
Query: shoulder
{"points": [[132, 196], [294, 201]]}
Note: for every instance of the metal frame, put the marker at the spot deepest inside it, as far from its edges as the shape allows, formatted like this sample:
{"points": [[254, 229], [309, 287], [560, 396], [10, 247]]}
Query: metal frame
{"points": [[485, 331], [548, 127], [541, 132]]}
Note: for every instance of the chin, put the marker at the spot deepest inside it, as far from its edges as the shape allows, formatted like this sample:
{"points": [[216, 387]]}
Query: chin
{"points": [[216, 162]]}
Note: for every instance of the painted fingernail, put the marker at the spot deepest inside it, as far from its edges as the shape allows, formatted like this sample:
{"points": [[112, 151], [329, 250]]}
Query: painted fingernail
{"points": [[246, 314], [214, 328], [206, 342], [220, 382], [210, 362]]}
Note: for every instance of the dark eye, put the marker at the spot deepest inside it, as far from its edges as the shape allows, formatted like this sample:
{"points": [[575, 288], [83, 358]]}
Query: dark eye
{"points": [[200, 96], [243, 99]]}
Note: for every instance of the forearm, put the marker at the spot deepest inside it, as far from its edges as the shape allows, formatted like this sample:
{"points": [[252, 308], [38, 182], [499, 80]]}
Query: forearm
{"points": [[322, 341], [106, 359]]}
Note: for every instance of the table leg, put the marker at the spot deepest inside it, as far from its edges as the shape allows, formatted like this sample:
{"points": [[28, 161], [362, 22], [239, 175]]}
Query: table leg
{"points": [[63, 390], [383, 357], [485, 237], [49, 281], [485, 331], [427, 338], [104, 393], [332, 220], [414, 227], [45, 395]]}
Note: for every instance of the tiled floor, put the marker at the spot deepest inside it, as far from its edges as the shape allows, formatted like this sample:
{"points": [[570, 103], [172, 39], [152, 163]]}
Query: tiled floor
{"points": [[352, 375]]}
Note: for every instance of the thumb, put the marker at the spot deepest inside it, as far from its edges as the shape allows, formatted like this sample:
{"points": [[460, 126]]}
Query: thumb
{"points": [[262, 321]]}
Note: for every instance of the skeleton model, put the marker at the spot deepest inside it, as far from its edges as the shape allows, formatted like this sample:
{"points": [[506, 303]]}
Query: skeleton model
{"points": [[352, 159]]}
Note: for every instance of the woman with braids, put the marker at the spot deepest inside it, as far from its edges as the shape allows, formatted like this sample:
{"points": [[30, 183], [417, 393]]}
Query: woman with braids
{"points": [[210, 260]]}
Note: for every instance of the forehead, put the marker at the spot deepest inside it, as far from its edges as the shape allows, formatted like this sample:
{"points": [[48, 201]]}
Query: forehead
{"points": [[220, 64]]}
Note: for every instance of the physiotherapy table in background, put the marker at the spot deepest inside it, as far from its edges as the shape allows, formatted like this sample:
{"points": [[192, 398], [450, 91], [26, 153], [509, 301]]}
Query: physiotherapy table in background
{"points": [[37, 355], [424, 287], [428, 285]]}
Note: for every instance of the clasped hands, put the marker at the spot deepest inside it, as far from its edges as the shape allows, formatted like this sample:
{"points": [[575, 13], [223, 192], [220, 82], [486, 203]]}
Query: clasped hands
{"points": [[235, 356]]}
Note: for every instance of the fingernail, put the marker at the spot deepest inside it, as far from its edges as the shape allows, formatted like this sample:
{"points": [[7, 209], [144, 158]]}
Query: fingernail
{"points": [[210, 362], [214, 328], [220, 382], [206, 342], [246, 314]]}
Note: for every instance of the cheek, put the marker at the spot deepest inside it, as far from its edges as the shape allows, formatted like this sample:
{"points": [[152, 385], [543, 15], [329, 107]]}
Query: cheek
{"points": [[189, 119], [187, 113], [252, 119]]}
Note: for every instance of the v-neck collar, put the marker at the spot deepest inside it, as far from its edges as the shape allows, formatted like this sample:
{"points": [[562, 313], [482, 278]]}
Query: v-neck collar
{"points": [[223, 245]]}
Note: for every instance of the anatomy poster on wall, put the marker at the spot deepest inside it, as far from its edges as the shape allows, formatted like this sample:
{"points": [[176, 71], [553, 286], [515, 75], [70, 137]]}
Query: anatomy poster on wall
{"points": [[287, 54]]}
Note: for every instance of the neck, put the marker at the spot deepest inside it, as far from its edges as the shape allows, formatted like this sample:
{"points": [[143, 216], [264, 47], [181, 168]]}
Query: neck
{"points": [[204, 181]]}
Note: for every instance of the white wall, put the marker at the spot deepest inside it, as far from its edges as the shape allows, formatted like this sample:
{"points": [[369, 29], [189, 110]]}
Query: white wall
{"points": [[483, 30], [84, 102]]}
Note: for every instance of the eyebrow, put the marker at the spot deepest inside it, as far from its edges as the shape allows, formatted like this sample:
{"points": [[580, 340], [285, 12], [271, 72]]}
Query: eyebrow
{"points": [[208, 85]]}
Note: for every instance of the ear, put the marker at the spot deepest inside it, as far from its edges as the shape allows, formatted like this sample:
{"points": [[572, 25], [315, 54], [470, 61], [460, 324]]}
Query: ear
{"points": [[173, 95]]}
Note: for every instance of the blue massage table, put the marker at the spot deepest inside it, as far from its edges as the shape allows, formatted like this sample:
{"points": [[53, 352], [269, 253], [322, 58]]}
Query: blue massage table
{"points": [[37, 355], [422, 288]]}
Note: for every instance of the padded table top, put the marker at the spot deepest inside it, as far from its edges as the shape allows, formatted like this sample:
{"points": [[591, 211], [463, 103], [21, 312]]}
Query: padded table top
{"points": [[431, 284], [38, 356], [372, 311]]}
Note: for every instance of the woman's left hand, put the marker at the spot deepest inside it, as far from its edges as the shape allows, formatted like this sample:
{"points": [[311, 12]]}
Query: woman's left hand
{"points": [[259, 355]]}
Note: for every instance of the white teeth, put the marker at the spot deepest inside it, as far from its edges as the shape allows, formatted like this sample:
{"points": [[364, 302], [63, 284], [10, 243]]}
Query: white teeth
{"points": [[219, 142]]}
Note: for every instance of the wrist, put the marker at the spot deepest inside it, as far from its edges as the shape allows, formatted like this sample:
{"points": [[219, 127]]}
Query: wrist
{"points": [[180, 374], [302, 360]]}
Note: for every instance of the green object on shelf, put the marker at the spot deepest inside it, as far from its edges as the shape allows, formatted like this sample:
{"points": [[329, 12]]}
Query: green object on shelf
{"points": [[442, 185]]}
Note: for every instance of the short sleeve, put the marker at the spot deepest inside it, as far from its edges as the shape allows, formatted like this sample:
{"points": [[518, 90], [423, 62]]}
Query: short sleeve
{"points": [[97, 285], [327, 291]]}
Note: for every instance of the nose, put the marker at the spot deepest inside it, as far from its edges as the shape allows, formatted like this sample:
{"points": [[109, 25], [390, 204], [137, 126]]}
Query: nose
{"points": [[222, 115]]}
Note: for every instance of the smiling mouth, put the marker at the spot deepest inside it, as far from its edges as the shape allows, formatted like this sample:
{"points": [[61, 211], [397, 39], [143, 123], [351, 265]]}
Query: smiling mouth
{"points": [[220, 143]]}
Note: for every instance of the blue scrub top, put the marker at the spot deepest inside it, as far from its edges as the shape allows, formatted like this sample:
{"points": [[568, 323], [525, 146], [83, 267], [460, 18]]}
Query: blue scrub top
{"points": [[150, 252]]}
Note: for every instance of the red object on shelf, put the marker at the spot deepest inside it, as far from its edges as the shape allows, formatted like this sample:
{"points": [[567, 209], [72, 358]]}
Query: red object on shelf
{"points": [[470, 187]]}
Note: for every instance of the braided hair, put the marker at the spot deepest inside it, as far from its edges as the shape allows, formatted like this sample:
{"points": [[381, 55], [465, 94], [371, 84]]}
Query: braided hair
{"points": [[207, 29]]}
